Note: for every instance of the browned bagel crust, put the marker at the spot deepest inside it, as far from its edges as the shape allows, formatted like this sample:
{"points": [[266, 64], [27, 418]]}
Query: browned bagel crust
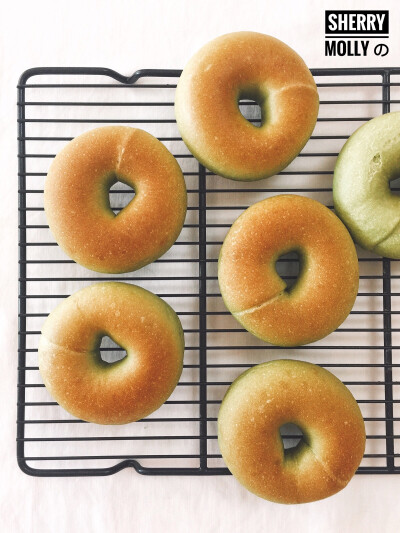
{"points": [[254, 292], [117, 393], [246, 65], [272, 394], [77, 204]]}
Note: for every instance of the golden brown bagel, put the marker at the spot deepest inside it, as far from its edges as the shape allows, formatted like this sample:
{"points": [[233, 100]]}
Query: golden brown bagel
{"points": [[111, 393], [273, 394], [77, 204], [258, 297], [246, 65]]}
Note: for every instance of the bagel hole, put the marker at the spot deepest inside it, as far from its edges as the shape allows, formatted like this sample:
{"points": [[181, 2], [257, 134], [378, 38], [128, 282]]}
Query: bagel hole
{"points": [[120, 195], [394, 185], [288, 267], [291, 436], [110, 351], [252, 111]]}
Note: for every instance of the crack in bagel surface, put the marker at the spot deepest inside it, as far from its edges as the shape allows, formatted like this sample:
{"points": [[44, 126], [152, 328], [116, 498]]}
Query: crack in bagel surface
{"points": [[325, 468], [78, 308], [294, 86], [259, 306], [121, 149], [388, 235], [96, 351], [64, 347]]}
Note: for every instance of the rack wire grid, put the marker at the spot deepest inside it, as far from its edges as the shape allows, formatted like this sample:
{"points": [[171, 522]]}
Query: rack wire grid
{"points": [[55, 105]]}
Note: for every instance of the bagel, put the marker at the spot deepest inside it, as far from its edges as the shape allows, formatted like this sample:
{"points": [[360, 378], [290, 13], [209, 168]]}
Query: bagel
{"points": [[270, 395], [246, 65], [77, 204], [120, 392], [258, 297], [368, 161]]}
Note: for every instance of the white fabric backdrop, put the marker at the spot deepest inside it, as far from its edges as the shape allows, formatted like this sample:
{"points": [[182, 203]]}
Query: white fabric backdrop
{"points": [[125, 36]]}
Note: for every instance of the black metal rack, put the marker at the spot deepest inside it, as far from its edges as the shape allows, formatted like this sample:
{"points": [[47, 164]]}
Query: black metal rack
{"points": [[365, 346]]}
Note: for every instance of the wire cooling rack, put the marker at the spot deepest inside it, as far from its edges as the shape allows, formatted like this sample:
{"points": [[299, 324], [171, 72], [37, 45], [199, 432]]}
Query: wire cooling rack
{"points": [[55, 105]]}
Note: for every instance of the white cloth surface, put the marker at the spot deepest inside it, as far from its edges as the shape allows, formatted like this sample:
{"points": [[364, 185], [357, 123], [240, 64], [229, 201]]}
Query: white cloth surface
{"points": [[125, 36]]}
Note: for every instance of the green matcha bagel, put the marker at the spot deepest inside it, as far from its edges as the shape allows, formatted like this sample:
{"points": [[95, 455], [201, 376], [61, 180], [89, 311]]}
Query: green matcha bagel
{"points": [[270, 395], [368, 161]]}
